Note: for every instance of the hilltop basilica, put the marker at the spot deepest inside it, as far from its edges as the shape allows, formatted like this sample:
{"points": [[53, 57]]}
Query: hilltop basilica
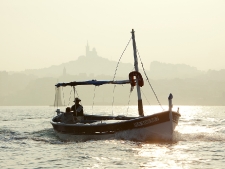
{"points": [[92, 53]]}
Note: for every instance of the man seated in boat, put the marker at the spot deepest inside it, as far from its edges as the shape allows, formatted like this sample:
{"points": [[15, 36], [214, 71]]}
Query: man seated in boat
{"points": [[77, 109], [67, 117]]}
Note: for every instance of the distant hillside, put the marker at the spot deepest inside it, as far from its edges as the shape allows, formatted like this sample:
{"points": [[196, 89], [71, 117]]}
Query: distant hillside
{"points": [[88, 65], [95, 66], [201, 88], [189, 85], [160, 70], [91, 65]]}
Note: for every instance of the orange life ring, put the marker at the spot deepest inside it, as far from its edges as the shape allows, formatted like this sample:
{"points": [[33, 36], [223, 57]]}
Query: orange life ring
{"points": [[138, 77]]}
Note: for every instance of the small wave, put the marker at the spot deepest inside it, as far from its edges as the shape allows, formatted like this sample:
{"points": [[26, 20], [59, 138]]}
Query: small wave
{"points": [[199, 137], [222, 121], [8, 136], [20, 137], [8, 132], [45, 135], [40, 139], [50, 141], [48, 133], [57, 142]]}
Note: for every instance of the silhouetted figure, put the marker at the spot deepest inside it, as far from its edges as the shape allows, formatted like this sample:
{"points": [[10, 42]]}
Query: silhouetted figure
{"points": [[77, 108], [67, 117]]}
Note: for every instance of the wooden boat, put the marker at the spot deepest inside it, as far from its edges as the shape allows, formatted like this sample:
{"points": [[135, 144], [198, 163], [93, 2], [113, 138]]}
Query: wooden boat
{"points": [[141, 128]]}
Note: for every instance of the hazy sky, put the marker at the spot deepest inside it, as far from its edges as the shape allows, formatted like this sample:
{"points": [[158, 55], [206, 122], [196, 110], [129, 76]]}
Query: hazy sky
{"points": [[40, 33]]}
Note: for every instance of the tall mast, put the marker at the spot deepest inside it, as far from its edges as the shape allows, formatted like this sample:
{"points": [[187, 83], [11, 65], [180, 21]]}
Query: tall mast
{"points": [[140, 105]]}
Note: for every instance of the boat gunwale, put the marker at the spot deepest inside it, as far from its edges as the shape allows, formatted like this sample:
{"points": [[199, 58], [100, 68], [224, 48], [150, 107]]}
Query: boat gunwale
{"points": [[103, 124]]}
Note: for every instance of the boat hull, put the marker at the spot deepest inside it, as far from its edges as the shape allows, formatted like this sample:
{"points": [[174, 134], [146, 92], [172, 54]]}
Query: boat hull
{"points": [[134, 128]]}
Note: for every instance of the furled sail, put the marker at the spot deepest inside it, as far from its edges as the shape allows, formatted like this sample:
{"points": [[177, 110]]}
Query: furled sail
{"points": [[92, 82]]}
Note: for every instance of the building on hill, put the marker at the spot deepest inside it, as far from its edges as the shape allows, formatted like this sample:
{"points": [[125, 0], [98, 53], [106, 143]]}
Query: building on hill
{"points": [[90, 53]]}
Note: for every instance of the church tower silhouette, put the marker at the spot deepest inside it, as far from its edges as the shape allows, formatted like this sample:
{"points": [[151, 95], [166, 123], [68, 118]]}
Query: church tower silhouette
{"points": [[89, 53]]}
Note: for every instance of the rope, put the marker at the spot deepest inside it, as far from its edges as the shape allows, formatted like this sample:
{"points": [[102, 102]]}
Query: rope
{"points": [[55, 96], [77, 94], [129, 101], [63, 97], [70, 96], [145, 97], [149, 81], [116, 71], [120, 59], [113, 98], [93, 100], [55, 101]]}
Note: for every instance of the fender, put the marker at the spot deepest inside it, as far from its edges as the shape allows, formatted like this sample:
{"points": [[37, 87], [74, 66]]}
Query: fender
{"points": [[138, 77]]}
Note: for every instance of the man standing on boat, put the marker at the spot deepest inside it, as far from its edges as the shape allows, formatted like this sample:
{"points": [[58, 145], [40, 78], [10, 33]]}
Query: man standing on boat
{"points": [[77, 108]]}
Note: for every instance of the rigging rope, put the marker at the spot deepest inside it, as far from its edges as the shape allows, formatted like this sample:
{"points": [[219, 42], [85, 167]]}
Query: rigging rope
{"points": [[74, 92], [149, 82], [55, 97], [145, 97], [63, 97], [129, 100], [116, 71], [131, 89], [93, 100], [113, 98], [77, 94], [120, 59], [70, 95]]}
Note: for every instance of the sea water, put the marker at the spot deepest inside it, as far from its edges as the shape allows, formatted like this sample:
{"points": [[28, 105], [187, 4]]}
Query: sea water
{"points": [[27, 140]]}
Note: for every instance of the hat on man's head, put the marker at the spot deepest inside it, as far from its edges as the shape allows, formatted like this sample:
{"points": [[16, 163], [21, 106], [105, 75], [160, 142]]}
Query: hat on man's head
{"points": [[76, 99]]}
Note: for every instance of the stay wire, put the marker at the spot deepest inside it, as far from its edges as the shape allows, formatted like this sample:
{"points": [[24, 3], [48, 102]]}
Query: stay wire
{"points": [[145, 97], [70, 95], [63, 97], [128, 104], [93, 100], [74, 92], [120, 59], [55, 96], [116, 71], [149, 81]]}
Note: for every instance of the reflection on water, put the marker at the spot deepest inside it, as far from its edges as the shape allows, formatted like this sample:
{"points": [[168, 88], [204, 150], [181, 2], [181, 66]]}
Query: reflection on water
{"points": [[27, 140]]}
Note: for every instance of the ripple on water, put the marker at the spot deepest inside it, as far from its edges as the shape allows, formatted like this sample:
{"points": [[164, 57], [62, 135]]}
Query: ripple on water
{"points": [[27, 140]]}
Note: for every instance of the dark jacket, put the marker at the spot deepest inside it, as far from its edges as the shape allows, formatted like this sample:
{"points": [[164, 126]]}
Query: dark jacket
{"points": [[67, 118], [77, 110]]}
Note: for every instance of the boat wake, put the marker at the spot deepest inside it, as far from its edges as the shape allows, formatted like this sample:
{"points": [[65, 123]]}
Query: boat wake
{"points": [[177, 136], [207, 137], [138, 136], [46, 135]]}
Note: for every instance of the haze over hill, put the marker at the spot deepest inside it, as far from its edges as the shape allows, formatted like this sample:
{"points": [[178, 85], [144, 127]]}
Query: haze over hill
{"points": [[189, 85], [47, 39], [91, 65], [88, 64]]}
